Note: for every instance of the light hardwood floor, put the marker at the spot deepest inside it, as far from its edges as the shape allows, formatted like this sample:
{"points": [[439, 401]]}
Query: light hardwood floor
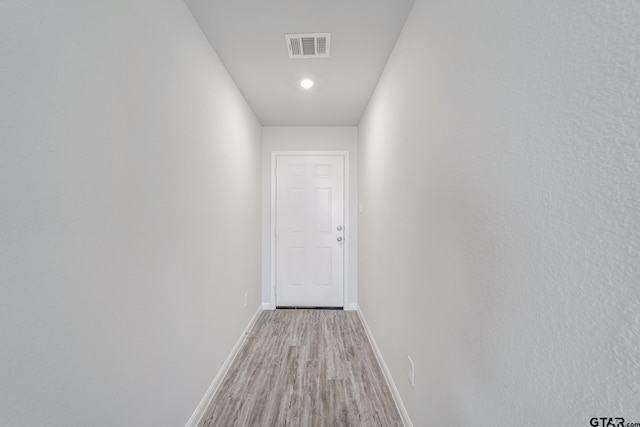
{"points": [[304, 368]]}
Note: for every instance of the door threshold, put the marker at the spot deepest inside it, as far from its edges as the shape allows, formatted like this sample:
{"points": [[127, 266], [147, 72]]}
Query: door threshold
{"points": [[286, 307]]}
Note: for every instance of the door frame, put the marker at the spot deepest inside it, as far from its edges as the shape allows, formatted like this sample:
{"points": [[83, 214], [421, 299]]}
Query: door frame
{"points": [[272, 233]]}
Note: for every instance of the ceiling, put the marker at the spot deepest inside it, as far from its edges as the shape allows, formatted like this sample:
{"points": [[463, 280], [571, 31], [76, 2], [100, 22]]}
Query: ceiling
{"points": [[248, 36]]}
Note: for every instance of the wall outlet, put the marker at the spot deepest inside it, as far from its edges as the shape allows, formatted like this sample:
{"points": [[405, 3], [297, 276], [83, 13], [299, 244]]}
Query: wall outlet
{"points": [[246, 299], [410, 370]]}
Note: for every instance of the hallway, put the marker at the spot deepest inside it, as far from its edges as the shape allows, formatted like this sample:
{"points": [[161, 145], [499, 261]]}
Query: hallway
{"points": [[494, 202], [304, 368]]}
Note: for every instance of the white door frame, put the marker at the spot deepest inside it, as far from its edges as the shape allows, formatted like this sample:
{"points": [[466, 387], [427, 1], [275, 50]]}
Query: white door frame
{"points": [[272, 234]]}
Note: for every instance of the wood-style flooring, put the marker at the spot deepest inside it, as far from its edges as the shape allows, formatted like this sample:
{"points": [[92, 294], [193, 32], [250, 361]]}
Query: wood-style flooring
{"points": [[304, 368]]}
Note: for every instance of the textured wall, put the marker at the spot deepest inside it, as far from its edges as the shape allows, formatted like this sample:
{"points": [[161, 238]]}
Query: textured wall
{"points": [[500, 238], [129, 213]]}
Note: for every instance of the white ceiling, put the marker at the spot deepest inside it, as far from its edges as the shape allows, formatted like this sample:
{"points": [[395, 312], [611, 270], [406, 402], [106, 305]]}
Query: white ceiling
{"points": [[248, 35]]}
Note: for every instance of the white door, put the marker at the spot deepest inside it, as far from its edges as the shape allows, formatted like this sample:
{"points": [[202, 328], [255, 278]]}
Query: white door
{"points": [[309, 231]]}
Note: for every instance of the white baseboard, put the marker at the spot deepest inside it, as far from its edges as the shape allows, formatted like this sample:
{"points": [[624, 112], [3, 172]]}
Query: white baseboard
{"points": [[268, 306], [197, 415], [387, 374], [351, 307]]}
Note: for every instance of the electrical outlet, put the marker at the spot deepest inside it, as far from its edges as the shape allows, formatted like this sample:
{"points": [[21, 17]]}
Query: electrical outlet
{"points": [[410, 371], [246, 299]]}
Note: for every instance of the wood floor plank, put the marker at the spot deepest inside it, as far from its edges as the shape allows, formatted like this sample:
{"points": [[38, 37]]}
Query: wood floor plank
{"points": [[304, 368]]}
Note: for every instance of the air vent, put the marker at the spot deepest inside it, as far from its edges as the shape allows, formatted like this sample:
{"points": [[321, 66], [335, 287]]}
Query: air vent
{"points": [[308, 45]]}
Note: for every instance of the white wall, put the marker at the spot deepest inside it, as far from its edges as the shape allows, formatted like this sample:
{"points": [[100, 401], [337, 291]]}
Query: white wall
{"points": [[500, 237], [129, 213], [329, 138]]}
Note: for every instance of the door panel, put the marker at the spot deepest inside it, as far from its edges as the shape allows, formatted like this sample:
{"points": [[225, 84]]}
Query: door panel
{"points": [[309, 245]]}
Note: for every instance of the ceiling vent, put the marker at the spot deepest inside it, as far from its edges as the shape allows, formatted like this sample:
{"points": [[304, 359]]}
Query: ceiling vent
{"points": [[302, 46]]}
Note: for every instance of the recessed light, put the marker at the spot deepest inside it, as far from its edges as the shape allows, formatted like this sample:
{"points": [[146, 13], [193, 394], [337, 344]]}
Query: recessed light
{"points": [[306, 83]]}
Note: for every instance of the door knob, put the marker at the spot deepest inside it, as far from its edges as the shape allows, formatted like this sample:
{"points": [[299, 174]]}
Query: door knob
{"points": [[339, 228], [339, 238]]}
